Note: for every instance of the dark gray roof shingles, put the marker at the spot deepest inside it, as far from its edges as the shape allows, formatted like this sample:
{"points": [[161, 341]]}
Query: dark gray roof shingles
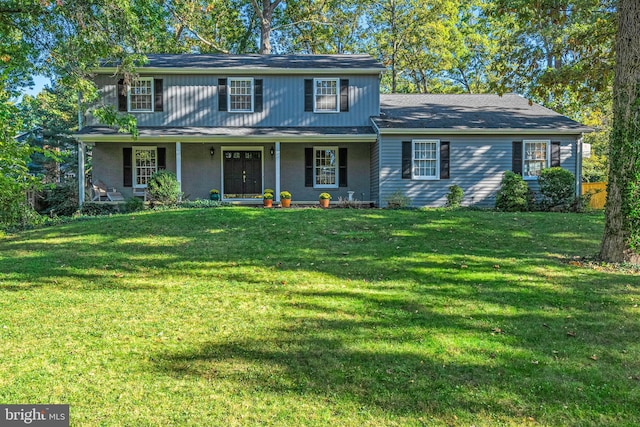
{"points": [[259, 61], [179, 131], [467, 112]]}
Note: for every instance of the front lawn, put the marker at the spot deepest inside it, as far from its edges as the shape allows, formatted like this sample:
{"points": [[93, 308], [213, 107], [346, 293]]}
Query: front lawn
{"points": [[247, 316]]}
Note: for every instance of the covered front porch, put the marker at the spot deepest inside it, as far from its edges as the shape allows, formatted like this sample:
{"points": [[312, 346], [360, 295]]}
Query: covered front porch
{"points": [[239, 168]]}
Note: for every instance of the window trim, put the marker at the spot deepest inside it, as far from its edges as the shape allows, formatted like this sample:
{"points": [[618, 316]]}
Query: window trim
{"points": [[336, 167], [253, 94], [524, 156], [315, 94], [151, 96], [134, 169], [435, 177]]}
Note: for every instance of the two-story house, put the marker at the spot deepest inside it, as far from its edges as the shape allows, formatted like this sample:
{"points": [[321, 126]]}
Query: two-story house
{"points": [[315, 123]]}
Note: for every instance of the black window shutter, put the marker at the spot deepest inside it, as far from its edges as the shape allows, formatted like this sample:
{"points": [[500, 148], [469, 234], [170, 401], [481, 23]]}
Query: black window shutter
{"points": [[122, 96], [444, 159], [308, 94], [127, 167], [158, 92], [308, 167], [222, 94], [555, 154], [344, 95], [516, 161], [257, 95], [406, 159], [162, 158], [342, 167]]}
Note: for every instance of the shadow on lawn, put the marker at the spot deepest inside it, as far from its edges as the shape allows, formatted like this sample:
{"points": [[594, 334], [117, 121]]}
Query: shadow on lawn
{"points": [[401, 364]]}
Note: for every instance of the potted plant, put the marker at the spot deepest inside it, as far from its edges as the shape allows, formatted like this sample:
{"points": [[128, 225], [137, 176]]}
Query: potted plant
{"points": [[214, 194], [324, 199], [285, 199], [267, 199]]}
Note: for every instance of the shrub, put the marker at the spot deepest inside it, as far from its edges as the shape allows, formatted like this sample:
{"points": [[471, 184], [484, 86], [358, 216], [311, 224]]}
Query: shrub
{"points": [[285, 195], [61, 199], [134, 204], [398, 200], [558, 189], [455, 196], [97, 209], [324, 196], [200, 203], [163, 187], [514, 194]]}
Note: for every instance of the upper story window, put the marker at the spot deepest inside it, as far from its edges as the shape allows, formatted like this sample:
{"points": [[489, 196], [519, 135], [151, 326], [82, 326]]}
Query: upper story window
{"points": [[240, 95], [325, 95], [140, 95], [426, 159], [536, 157]]}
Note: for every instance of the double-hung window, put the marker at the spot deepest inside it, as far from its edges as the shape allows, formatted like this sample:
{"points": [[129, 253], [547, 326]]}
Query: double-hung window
{"points": [[240, 95], [140, 97], [425, 159], [325, 168], [536, 157], [145, 164], [325, 95]]}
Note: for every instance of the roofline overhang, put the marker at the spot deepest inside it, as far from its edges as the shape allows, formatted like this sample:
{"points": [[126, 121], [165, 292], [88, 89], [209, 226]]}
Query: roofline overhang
{"points": [[240, 71], [128, 138], [479, 131]]}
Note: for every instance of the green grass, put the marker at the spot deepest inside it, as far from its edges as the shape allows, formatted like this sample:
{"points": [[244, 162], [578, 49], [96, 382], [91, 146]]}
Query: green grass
{"points": [[245, 316]]}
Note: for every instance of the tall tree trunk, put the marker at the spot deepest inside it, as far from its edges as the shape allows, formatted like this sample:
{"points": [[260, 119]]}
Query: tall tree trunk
{"points": [[265, 16], [621, 240]]}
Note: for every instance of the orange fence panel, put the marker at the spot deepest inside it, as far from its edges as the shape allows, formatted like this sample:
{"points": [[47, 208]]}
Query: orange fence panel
{"points": [[598, 191]]}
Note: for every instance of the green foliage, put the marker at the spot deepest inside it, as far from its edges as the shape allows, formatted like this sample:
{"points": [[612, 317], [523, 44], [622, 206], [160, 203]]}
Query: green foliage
{"points": [[558, 188], [163, 188], [267, 195], [133, 204], [200, 203], [398, 200], [100, 209], [514, 194], [285, 195], [324, 196], [61, 199], [455, 196]]}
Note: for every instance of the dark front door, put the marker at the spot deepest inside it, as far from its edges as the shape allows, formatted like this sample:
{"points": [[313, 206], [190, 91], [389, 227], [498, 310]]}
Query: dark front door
{"points": [[242, 174]]}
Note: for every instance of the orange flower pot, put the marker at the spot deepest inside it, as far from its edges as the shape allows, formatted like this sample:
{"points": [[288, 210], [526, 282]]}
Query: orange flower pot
{"points": [[285, 203], [324, 203], [268, 203]]}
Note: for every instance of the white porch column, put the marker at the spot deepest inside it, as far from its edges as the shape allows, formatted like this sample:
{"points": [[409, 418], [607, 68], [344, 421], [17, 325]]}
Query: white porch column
{"points": [[277, 189], [179, 164], [81, 155]]}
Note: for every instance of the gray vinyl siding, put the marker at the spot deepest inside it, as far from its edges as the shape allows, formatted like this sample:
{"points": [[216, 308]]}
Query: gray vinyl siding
{"points": [[477, 164], [193, 101]]}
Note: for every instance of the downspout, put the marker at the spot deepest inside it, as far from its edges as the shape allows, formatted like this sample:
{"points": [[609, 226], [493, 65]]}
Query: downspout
{"points": [[81, 155]]}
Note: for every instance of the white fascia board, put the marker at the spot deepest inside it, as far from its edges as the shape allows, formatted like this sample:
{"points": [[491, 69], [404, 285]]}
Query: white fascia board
{"points": [[243, 71]]}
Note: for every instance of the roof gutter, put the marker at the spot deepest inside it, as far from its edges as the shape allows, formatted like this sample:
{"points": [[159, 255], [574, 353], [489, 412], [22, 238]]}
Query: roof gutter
{"points": [[479, 131]]}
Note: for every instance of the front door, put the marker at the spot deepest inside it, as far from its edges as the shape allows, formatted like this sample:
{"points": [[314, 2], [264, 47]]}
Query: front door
{"points": [[242, 174]]}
